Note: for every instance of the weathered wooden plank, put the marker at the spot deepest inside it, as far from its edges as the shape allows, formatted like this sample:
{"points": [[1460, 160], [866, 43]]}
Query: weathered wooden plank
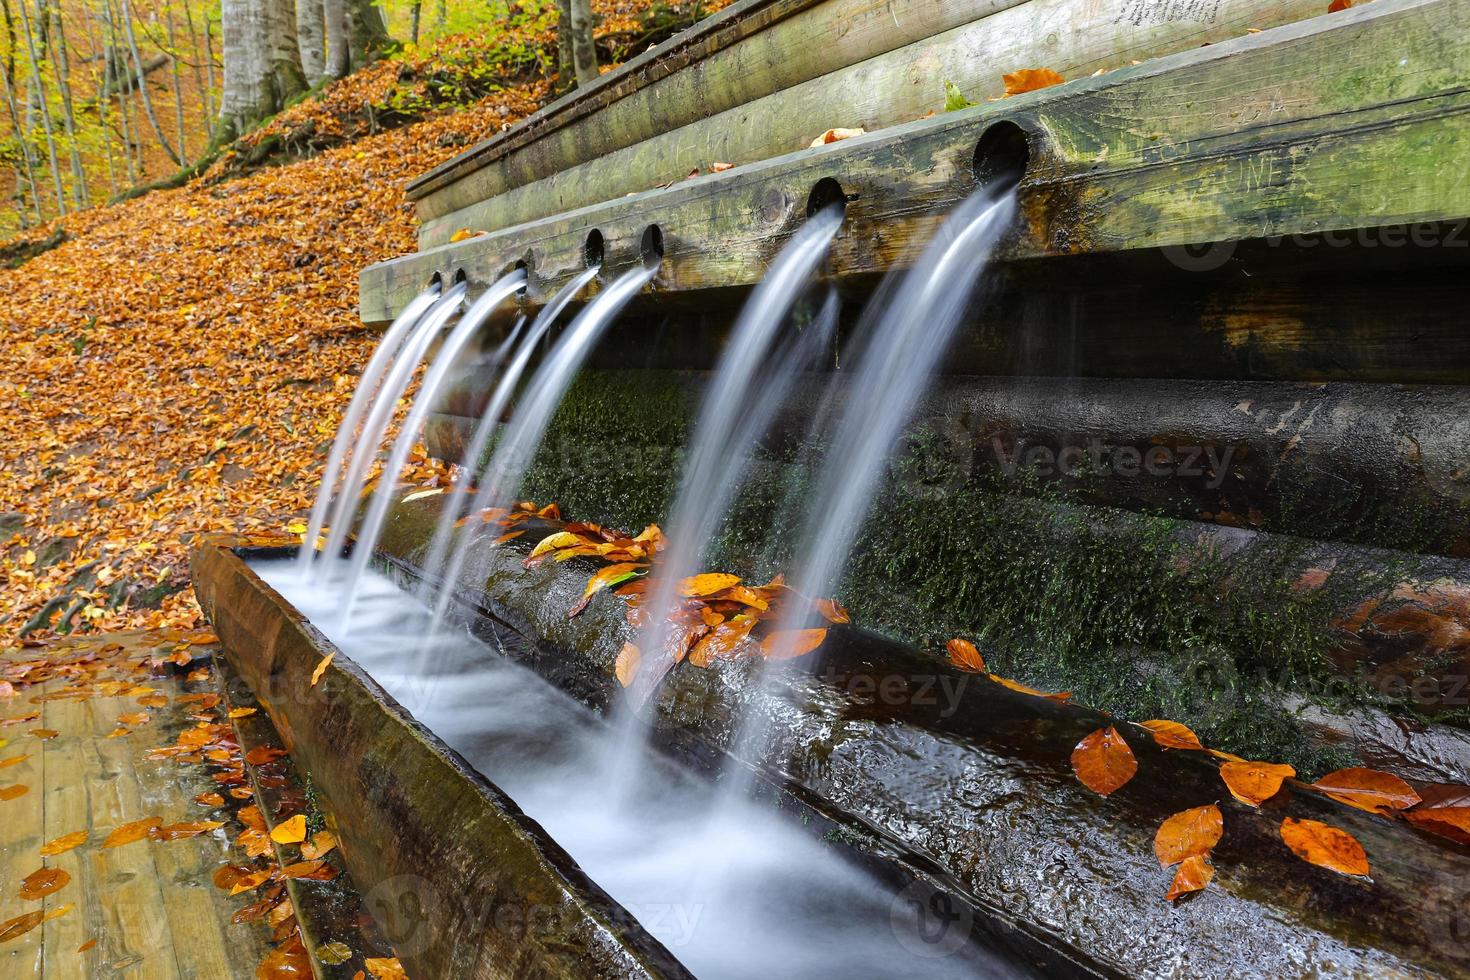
{"points": [[21, 829], [1114, 165], [744, 52], [1073, 37], [68, 810]]}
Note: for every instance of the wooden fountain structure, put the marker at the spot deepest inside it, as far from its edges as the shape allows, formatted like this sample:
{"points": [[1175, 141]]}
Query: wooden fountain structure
{"points": [[1244, 227]]}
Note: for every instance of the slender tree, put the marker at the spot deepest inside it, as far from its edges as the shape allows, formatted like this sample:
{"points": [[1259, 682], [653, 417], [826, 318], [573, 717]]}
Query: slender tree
{"points": [[584, 52], [39, 94], [81, 197], [356, 34], [311, 36], [25, 166], [132, 39]]}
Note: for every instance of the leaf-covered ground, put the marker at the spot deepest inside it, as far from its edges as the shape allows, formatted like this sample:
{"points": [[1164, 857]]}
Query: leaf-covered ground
{"points": [[179, 364]]}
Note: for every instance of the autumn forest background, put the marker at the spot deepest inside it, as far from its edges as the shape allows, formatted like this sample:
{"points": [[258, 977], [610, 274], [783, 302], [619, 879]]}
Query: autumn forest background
{"points": [[180, 279]]}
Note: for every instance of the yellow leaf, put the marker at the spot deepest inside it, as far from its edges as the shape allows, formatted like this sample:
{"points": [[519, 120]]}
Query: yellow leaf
{"points": [[321, 668], [627, 664], [292, 831]]}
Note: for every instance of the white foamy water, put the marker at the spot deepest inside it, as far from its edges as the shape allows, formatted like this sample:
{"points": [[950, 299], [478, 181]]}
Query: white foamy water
{"points": [[750, 895]]}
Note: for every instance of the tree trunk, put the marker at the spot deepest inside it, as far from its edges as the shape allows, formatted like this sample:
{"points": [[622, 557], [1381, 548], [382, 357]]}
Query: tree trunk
{"points": [[262, 63], [80, 195], [311, 30], [584, 52], [202, 75], [25, 171], [415, 12], [339, 55], [173, 57], [132, 39], [565, 71], [39, 92]]}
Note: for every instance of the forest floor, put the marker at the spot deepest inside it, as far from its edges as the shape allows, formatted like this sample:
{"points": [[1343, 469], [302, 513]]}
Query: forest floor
{"points": [[180, 362]]}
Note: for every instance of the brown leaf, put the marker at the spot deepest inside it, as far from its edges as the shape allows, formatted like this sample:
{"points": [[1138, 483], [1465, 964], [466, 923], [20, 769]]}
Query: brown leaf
{"points": [[209, 799], [183, 831], [1020, 688], [44, 734], [832, 611], [1254, 782], [1368, 789], [288, 961], [1325, 846], [321, 668], [1446, 821], [964, 655], [1337, 5], [1187, 834], [387, 968], [39, 884], [334, 953], [22, 924], [833, 135], [1193, 875], [790, 644], [1172, 735], [130, 832], [626, 667], [134, 719], [1030, 79], [706, 584], [64, 843], [309, 871], [720, 167], [292, 831], [1103, 761], [322, 843], [264, 754]]}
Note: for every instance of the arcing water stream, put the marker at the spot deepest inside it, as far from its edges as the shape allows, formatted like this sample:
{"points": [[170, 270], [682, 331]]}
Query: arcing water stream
{"points": [[732, 888]]}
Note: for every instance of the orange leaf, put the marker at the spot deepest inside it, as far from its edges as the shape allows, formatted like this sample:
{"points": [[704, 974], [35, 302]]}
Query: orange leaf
{"points": [[1172, 735], [209, 799], [44, 734], [130, 832], [1254, 782], [39, 884], [1337, 5], [789, 644], [64, 843], [627, 664], [1327, 847], [14, 760], [706, 584], [1193, 875], [321, 668], [962, 654], [508, 536], [1020, 688], [385, 968], [135, 719], [832, 611], [322, 843], [22, 924], [1030, 79], [11, 792], [1103, 761], [464, 234], [833, 135], [1187, 834], [292, 831], [612, 575], [241, 712], [721, 641], [1368, 789], [183, 831], [1446, 821]]}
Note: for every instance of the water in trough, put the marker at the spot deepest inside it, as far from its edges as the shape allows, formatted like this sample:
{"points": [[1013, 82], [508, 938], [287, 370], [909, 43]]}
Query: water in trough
{"points": [[732, 887]]}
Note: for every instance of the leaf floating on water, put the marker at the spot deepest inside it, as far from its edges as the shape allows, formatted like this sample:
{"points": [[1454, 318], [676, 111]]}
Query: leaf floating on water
{"points": [[1325, 846], [1368, 789], [241, 712], [131, 832], [86, 945], [322, 843], [292, 831], [64, 843], [44, 734], [421, 494], [183, 831], [627, 664], [1172, 735], [707, 584], [14, 760], [964, 655], [263, 755], [1254, 782], [209, 799], [1103, 761], [1188, 833], [39, 884], [12, 792], [321, 668], [135, 719], [508, 536], [790, 644], [1193, 875], [1030, 79]]}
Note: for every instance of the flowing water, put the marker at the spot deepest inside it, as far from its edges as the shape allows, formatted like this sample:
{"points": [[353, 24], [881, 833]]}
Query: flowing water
{"points": [[534, 409], [366, 391], [444, 362], [489, 423], [394, 384], [788, 904]]}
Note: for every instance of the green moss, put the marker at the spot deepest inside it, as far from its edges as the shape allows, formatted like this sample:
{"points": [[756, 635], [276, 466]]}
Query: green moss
{"points": [[1126, 610]]}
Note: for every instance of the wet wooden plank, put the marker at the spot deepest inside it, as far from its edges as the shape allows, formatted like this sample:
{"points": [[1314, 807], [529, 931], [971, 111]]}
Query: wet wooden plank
{"points": [[20, 839]]}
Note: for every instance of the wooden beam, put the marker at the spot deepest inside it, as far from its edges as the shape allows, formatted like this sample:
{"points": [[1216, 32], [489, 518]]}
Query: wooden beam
{"points": [[1344, 122], [611, 155]]}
